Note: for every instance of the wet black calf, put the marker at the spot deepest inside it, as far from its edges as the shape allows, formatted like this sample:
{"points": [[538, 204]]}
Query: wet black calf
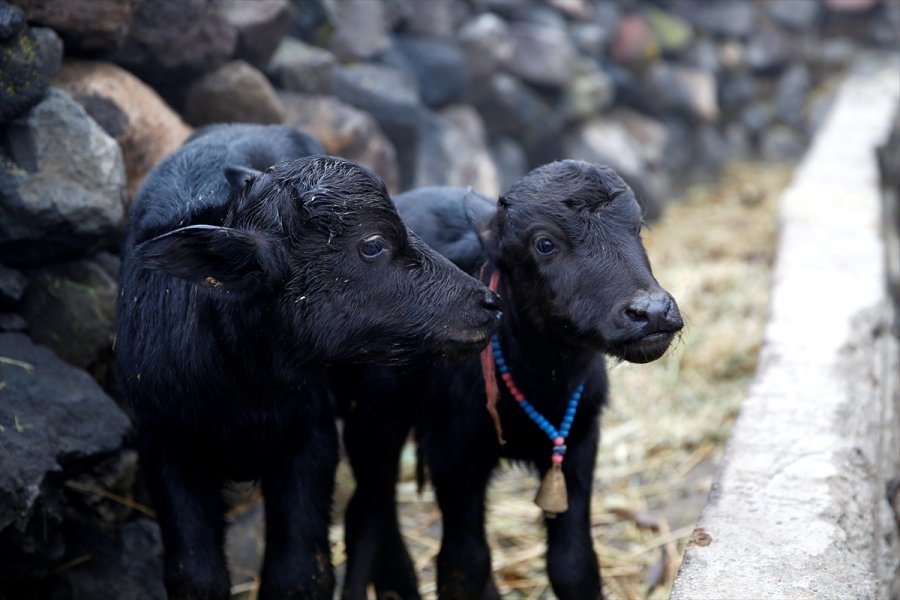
{"points": [[237, 287], [576, 285]]}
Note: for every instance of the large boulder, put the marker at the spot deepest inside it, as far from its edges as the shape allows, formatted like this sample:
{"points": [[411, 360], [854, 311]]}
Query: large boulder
{"points": [[234, 92], [85, 26], [260, 25], [55, 422], [62, 184], [542, 54], [608, 140], [129, 110], [453, 151], [440, 68], [172, 41], [487, 43], [23, 80], [71, 308], [392, 98], [299, 67], [359, 29], [344, 131]]}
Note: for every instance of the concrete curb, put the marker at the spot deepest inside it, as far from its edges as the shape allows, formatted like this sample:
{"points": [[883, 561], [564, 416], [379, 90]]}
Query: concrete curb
{"points": [[798, 507]]}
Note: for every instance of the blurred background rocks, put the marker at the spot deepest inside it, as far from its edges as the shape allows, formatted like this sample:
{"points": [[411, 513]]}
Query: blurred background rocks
{"points": [[444, 92]]}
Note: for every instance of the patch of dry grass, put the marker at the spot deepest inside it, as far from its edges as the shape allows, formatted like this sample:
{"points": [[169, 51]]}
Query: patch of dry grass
{"points": [[667, 421]]}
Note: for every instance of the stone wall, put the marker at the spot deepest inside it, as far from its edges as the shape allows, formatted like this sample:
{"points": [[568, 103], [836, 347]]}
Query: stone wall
{"points": [[456, 92]]}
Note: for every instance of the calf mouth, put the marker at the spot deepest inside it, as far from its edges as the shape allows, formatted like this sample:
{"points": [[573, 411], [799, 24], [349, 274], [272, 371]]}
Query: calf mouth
{"points": [[646, 349], [465, 343]]}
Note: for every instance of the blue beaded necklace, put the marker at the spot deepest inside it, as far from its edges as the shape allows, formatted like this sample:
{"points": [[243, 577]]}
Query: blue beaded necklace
{"points": [[552, 494]]}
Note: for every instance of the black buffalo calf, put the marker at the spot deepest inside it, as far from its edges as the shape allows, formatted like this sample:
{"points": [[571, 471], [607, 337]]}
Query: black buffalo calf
{"points": [[248, 267], [564, 246]]}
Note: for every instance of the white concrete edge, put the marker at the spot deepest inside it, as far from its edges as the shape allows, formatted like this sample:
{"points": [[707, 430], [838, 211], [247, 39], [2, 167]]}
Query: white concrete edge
{"points": [[797, 509]]}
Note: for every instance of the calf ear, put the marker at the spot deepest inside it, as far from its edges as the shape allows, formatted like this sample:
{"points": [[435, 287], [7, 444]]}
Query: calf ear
{"points": [[239, 176], [223, 259]]}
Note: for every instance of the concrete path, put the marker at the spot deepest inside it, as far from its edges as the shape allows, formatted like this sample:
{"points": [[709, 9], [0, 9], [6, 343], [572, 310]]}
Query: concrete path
{"points": [[798, 509]]}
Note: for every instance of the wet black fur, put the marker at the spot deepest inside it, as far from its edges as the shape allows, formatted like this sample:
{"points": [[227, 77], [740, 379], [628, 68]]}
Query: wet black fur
{"points": [[594, 295], [242, 277]]}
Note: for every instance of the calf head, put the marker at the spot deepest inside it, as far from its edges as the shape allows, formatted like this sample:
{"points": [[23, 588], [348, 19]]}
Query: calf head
{"points": [[317, 245], [568, 237]]}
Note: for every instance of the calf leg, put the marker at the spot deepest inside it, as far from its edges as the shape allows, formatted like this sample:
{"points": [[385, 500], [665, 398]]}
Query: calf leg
{"points": [[464, 561], [190, 510], [375, 549], [297, 486], [571, 562]]}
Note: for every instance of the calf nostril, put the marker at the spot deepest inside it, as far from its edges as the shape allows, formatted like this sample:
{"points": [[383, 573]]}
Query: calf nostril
{"points": [[491, 301], [638, 314]]}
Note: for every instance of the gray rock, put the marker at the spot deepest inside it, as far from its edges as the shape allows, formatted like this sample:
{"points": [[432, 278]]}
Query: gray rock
{"points": [[541, 55], [300, 67], [728, 18], [790, 95], [510, 159], [85, 26], [590, 39], [703, 54], [144, 126], [453, 151], [795, 14], [392, 98], [590, 91], [757, 117], [12, 286], [831, 54], [344, 131], [172, 41], [23, 77], [781, 143], [310, 21], [234, 92], [125, 564], [510, 107], [606, 15], [850, 6], [574, 9], [607, 141], [435, 18], [260, 25], [359, 29], [61, 184], [685, 91], [440, 68], [770, 50], [12, 20], [884, 30], [55, 422], [487, 43], [736, 90], [71, 308], [49, 49], [650, 136]]}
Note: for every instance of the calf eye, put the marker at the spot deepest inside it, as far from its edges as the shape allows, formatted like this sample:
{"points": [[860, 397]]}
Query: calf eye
{"points": [[544, 246], [372, 246]]}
